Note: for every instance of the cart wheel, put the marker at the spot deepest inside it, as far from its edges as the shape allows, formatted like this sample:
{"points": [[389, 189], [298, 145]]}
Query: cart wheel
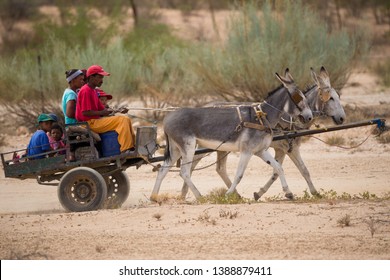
{"points": [[118, 188], [82, 189]]}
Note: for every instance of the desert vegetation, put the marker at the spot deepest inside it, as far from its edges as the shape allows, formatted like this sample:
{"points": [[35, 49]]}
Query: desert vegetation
{"points": [[151, 63]]}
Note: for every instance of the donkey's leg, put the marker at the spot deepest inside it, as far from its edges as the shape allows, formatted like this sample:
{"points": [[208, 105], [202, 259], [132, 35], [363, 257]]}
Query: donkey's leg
{"points": [[221, 167], [242, 164], [174, 155], [187, 152], [267, 157], [279, 157], [195, 161], [295, 156]]}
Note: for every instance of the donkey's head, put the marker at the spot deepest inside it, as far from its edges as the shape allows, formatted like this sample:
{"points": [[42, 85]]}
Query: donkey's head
{"points": [[299, 106], [328, 98]]}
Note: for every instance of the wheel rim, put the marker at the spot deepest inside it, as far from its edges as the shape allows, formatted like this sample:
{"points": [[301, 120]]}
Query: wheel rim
{"points": [[117, 190], [82, 190], [113, 187]]}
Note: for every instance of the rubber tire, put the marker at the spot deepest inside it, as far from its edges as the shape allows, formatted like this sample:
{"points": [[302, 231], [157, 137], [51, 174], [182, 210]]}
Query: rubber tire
{"points": [[118, 189], [82, 189]]}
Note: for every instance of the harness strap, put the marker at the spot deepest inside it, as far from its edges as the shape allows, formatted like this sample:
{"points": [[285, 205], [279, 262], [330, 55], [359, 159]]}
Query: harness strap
{"points": [[260, 114], [256, 126]]}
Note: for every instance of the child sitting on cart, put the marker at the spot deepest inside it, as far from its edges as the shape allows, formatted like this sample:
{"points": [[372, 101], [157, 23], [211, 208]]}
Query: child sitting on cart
{"points": [[55, 139], [39, 142], [104, 98]]}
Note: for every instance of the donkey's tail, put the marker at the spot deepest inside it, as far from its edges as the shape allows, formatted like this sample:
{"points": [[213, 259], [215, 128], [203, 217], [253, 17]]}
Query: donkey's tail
{"points": [[167, 152]]}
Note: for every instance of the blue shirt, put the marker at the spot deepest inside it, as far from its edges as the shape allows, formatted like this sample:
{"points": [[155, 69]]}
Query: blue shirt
{"points": [[69, 95], [39, 143]]}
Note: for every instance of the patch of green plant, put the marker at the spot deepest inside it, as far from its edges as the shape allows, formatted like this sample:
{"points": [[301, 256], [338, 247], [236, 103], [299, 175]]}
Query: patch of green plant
{"points": [[262, 43], [367, 195], [326, 195], [218, 196], [386, 196]]}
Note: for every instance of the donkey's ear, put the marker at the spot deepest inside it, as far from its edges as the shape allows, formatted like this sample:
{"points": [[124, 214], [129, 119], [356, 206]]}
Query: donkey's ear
{"points": [[284, 81], [288, 76], [324, 76], [324, 72], [314, 76], [279, 78]]}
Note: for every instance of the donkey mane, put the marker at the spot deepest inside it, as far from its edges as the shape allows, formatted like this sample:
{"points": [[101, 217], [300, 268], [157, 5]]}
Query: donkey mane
{"points": [[308, 88], [275, 90]]}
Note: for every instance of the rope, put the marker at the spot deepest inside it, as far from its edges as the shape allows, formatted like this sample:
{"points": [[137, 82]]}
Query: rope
{"points": [[167, 109], [156, 167], [343, 147], [141, 118]]}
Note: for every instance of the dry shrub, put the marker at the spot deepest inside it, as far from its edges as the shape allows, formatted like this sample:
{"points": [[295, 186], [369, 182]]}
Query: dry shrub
{"points": [[206, 218], [384, 138], [157, 216], [371, 226], [3, 142], [355, 113], [228, 214], [335, 140], [344, 221], [25, 113], [166, 198]]}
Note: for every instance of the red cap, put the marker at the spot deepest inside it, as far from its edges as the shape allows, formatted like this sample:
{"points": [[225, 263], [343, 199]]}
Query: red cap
{"points": [[96, 69], [101, 93]]}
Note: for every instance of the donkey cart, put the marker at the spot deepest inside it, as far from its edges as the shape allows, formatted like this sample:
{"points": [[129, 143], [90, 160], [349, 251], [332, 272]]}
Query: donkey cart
{"points": [[96, 179]]}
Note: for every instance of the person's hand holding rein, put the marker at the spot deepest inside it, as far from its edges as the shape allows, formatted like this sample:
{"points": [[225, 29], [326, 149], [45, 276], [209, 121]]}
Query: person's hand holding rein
{"points": [[102, 113]]}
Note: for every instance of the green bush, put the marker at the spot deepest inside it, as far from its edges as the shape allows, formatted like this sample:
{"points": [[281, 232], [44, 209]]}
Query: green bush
{"points": [[260, 44], [151, 62]]}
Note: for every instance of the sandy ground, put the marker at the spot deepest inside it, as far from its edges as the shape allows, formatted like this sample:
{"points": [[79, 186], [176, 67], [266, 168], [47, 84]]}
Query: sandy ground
{"points": [[33, 224]]}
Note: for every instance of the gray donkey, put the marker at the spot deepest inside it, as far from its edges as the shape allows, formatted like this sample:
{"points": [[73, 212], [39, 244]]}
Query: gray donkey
{"points": [[244, 129], [323, 100]]}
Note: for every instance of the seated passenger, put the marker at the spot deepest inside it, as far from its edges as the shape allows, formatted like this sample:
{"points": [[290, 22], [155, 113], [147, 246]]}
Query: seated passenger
{"points": [[104, 97], [75, 79], [39, 142], [55, 139], [90, 109]]}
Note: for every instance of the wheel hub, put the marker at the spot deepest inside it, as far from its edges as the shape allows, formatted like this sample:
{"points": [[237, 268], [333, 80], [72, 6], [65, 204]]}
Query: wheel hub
{"points": [[82, 191]]}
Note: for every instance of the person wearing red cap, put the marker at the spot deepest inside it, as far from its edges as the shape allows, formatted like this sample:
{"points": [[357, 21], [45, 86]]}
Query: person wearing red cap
{"points": [[104, 97], [90, 109]]}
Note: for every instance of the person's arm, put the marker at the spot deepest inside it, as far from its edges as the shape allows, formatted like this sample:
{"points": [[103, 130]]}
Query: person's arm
{"points": [[71, 109], [104, 112]]}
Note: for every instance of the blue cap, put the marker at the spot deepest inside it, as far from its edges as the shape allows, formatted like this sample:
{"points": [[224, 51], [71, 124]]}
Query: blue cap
{"points": [[53, 116]]}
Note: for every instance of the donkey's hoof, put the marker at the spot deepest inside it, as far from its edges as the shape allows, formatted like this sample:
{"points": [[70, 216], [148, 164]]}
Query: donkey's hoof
{"points": [[154, 198], [317, 195], [256, 196], [289, 196]]}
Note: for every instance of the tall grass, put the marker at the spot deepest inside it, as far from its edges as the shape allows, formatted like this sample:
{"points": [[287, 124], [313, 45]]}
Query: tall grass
{"points": [[261, 43], [383, 71]]}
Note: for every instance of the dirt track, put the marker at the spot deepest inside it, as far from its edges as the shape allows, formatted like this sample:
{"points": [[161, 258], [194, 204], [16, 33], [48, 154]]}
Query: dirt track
{"points": [[33, 224]]}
